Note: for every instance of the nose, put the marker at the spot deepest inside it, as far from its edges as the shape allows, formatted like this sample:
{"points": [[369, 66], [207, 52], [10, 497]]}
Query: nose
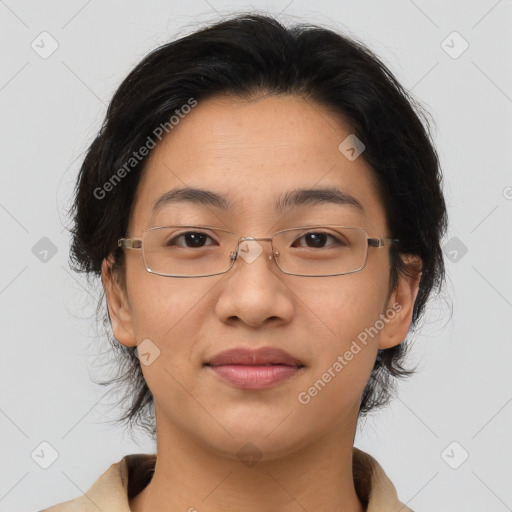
{"points": [[255, 293]]}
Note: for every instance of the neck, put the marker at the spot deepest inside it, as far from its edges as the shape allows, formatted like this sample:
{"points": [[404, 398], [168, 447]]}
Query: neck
{"points": [[190, 476]]}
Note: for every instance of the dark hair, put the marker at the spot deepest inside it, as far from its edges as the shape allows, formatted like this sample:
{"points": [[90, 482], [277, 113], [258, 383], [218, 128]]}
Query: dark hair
{"points": [[246, 56]]}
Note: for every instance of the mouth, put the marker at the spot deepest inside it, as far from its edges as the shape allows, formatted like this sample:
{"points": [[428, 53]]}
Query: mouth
{"points": [[254, 368]]}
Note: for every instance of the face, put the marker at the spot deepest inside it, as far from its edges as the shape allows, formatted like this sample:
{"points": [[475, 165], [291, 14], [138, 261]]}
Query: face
{"points": [[253, 152]]}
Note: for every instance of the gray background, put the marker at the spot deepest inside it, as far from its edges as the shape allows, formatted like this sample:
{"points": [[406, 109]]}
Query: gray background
{"points": [[52, 107]]}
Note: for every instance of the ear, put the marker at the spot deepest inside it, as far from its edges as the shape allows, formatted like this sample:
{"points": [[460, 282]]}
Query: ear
{"points": [[400, 305], [119, 309]]}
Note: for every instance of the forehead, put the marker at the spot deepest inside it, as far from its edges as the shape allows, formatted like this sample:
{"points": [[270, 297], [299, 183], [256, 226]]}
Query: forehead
{"points": [[258, 154]]}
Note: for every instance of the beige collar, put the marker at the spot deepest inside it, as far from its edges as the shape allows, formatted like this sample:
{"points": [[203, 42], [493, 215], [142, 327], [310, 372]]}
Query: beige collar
{"points": [[125, 479]]}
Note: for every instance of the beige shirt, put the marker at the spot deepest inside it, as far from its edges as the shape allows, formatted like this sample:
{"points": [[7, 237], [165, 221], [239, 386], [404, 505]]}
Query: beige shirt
{"points": [[128, 477]]}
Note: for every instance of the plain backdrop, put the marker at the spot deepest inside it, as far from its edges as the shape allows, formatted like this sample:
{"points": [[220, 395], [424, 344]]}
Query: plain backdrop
{"points": [[446, 442]]}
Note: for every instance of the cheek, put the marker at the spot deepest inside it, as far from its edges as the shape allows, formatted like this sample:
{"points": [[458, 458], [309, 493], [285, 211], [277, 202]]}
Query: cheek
{"points": [[345, 345], [346, 305], [168, 312], [160, 305]]}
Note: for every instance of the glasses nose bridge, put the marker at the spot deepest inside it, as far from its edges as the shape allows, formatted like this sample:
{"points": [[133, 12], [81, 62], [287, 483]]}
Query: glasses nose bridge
{"points": [[242, 239], [253, 239]]}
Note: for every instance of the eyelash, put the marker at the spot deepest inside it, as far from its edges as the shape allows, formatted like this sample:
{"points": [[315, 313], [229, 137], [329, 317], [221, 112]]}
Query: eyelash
{"points": [[337, 240]]}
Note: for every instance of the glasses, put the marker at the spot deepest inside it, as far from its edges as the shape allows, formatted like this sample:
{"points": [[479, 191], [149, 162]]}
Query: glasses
{"points": [[201, 251]]}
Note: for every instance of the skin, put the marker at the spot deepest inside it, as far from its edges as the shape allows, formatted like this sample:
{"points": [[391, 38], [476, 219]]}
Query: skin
{"points": [[252, 151]]}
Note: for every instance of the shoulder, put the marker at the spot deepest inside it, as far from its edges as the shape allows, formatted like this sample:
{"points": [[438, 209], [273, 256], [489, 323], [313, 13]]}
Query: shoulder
{"points": [[111, 490], [373, 486]]}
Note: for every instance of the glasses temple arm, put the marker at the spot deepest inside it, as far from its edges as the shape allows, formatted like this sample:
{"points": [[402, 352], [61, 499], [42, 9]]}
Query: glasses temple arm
{"points": [[129, 243], [379, 242]]}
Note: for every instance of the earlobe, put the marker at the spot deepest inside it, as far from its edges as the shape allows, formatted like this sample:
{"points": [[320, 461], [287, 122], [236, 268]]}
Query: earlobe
{"points": [[118, 306], [400, 305]]}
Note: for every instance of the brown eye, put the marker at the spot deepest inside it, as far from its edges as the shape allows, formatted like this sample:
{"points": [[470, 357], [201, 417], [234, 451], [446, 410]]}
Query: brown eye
{"points": [[318, 240], [192, 239]]}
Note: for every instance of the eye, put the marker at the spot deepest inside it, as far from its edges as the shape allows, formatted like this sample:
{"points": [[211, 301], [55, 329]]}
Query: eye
{"points": [[192, 239], [317, 240]]}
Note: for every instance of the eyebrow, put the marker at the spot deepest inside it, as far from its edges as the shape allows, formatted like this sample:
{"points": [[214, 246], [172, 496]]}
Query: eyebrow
{"points": [[312, 196], [292, 199]]}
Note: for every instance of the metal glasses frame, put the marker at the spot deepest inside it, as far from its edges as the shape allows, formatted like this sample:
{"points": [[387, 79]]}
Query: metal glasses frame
{"points": [[136, 243]]}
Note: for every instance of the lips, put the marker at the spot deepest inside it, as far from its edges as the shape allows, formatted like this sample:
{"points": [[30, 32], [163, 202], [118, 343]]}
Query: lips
{"points": [[254, 357], [255, 369]]}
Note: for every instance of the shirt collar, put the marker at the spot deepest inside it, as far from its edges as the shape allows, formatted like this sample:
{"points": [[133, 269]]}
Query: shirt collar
{"points": [[125, 479]]}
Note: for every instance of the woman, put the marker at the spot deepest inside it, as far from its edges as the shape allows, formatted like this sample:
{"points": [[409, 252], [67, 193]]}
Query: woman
{"points": [[264, 207]]}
